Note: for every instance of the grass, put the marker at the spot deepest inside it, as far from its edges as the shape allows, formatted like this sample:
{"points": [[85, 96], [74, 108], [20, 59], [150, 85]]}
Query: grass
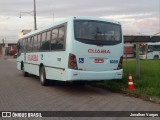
{"points": [[148, 83]]}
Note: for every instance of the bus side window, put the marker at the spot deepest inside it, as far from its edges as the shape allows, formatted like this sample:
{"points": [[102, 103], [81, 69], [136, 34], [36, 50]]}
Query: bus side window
{"points": [[43, 41], [48, 39], [24, 44], [39, 42], [150, 48], [31, 43], [45, 45], [27, 39], [157, 47], [21, 45], [28, 44], [35, 43], [61, 35], [54, 39]]}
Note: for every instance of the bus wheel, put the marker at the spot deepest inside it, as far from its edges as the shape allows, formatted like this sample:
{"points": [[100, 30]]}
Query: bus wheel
{"points": [[156, 57], [42, 76], [25, 74]]}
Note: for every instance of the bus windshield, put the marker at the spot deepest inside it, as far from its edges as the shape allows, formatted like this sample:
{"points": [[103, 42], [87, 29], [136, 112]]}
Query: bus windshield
{"points": [[97, 31]]}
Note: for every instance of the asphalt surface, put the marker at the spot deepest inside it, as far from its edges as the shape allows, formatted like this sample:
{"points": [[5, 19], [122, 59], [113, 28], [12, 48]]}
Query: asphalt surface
{"points": [[18, 93]]}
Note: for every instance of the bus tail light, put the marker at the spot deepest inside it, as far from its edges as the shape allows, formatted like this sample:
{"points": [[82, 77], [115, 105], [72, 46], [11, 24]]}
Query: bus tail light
{"points": [[120, 63], [72, 62]]}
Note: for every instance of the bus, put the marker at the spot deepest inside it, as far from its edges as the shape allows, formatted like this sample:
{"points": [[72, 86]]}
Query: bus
{"points": [[75, 49], [150, 50]]}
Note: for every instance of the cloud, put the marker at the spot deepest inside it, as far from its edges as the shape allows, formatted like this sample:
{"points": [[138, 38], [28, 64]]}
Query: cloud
{"points": [[147, 26], [142, 23], [138, 16]]}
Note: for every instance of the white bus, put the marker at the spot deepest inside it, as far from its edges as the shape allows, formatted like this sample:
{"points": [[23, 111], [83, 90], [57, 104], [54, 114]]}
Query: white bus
{"points": [[150, 51], [75, 49]]}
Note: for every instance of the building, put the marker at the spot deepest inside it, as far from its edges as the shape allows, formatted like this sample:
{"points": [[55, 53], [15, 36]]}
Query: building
{"points": [[7, 42], [131, 40], [23, 32]]}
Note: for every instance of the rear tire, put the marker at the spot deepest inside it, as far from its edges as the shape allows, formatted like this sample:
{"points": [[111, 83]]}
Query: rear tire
{"points": [[42, 76], [156, 57]]}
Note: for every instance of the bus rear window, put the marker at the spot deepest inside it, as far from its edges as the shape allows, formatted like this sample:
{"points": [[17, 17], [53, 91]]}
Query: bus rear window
{"points": [[89, 30]]}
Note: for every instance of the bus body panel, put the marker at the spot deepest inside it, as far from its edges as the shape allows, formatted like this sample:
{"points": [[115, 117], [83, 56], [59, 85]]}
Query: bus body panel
{"points": [[54, 63], [31, 68], [97, 58], [20, 59], [74, 75], [151, 55]]}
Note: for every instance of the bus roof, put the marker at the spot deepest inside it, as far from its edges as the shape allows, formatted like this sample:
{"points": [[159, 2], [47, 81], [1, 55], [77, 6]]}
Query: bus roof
{"points": [[66, 20], [95, 18], [155, 43]]}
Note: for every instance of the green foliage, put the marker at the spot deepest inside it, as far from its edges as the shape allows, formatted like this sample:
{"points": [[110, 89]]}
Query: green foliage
{"points": [[149, 82]]}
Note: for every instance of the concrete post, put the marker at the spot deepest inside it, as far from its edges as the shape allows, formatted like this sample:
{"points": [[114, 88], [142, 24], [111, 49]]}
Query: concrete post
{"points": [[137, 61]]}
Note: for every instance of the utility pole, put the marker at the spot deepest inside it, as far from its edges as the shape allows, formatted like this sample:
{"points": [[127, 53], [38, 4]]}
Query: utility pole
{"points": [[33, 13], [35, 23]]}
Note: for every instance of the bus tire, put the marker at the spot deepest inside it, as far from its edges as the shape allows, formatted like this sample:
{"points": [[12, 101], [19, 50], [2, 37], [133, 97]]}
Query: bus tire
{"points": [[42, 76], [156, 57]]}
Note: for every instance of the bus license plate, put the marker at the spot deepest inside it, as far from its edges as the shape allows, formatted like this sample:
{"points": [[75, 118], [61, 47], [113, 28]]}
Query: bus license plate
{"points": [[99, 60]]}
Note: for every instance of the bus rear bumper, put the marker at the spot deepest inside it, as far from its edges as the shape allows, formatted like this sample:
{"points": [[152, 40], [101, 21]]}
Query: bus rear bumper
{"points": [[94, 75], [142, 56]]}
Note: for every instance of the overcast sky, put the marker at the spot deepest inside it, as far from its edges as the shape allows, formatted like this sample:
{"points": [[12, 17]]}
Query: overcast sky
{"points": [[136, 16]]}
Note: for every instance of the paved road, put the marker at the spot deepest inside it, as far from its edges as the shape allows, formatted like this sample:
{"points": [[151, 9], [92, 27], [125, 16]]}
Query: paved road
{"points": [[18, 93]]}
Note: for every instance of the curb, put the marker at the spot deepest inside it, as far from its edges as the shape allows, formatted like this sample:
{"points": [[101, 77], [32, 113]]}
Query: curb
{"points": [[144, 97], [131, 94]]}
